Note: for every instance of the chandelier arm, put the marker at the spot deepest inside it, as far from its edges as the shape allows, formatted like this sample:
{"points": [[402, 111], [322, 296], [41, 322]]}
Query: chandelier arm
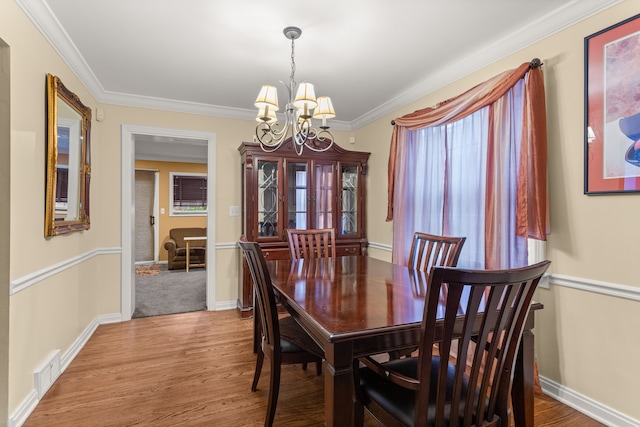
{"points": [[268, 148], [302, 130], [271, 136], [322, 136]]}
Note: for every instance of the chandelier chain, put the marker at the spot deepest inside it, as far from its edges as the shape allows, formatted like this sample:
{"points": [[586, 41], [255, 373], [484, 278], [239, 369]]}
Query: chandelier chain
{"points": [[293, 66]]}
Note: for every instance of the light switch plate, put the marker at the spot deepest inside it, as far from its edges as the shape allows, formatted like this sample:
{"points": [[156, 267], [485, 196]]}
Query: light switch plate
{"points": [[234, 210]]}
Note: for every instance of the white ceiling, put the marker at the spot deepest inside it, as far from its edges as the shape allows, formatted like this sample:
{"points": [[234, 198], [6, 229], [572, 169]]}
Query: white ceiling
{"points": [[212, 56]]}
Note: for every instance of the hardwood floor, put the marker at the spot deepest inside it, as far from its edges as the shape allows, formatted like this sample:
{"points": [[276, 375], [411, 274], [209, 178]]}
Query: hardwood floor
{"points": [[195, 369]]}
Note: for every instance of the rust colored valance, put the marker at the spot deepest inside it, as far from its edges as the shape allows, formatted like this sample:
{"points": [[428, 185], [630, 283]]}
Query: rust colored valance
{"points": [[532, 185]]}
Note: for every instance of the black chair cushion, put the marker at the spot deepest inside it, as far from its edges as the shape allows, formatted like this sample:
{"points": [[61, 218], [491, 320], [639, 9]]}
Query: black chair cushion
{"points": [[294, 339], [399, 401]]}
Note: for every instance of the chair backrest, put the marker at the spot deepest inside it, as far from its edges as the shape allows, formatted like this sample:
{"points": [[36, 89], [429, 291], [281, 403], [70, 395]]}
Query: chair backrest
{"points": [[495, 305], [312, 243], [429, 250], [265, 308]]}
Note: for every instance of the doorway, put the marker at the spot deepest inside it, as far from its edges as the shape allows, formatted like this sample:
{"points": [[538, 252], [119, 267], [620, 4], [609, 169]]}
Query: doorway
{"points": [[130, 135]]}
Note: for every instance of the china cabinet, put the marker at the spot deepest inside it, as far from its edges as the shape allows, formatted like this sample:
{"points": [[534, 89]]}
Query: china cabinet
{"points": [[283, 190]]}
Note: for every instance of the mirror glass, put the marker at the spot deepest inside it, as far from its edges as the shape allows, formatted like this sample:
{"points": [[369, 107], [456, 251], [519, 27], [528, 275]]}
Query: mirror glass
{"points": [[68, 160]]}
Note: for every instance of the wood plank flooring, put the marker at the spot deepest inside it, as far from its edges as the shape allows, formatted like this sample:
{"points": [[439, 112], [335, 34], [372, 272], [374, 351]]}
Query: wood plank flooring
{"points": [[195, 369]]}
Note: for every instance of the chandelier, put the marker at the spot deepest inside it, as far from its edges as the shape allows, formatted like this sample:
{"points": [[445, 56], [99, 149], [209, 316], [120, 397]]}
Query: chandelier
{"points": [[271, 135]]}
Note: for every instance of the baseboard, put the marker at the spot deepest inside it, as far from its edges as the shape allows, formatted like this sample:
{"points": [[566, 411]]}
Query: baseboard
{"points": [[586, 405], [27, 406], [225, 305]]}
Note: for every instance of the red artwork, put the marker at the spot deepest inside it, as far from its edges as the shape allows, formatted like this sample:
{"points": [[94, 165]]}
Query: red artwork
{"points": [[612, 109]]}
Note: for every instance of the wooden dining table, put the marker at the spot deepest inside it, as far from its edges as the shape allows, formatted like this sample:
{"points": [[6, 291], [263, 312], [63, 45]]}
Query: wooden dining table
{"points": [[356, 306]]}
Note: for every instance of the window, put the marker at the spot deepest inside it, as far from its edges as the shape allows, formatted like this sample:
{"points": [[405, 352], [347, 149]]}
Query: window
{"points": [[493, 135], [460, 183], [188, 193], [62, 184]]}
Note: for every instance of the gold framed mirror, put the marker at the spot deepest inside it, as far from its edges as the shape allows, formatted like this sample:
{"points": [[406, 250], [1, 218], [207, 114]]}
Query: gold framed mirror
{"points": [[68, 161]]}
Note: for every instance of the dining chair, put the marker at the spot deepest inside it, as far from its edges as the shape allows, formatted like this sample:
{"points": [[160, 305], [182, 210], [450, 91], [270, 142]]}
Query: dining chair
{"points": [[312, 243], [438, 388], [282, 340], [429, 250]]}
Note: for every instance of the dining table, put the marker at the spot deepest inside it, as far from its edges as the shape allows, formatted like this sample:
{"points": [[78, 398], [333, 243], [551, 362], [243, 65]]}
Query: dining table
{"points": [[355, 306]]}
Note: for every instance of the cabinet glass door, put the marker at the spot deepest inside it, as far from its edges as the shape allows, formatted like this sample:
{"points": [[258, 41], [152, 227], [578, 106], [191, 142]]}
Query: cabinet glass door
{"points": [[268, 197], [297, 195], [349, 200], [324, 195]]}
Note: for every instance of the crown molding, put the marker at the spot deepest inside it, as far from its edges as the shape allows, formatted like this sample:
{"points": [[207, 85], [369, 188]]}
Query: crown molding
{"points": [[44, 19], [552, 23]]}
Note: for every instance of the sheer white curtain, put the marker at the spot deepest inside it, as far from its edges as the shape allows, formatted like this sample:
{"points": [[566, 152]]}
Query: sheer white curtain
{"points": [[460, 179]]}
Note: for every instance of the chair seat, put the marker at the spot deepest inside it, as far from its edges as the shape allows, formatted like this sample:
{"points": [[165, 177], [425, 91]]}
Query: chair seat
{"points": [[399, 401], [294, 339]]}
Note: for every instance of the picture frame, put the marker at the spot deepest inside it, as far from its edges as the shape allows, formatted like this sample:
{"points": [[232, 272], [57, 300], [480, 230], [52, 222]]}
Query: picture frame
{"points": [[612, 109], [68, 161]]}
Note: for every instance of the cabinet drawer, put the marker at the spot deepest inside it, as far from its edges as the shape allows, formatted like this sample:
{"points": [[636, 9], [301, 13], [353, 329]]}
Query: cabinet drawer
{"points": [[348, 250], [276, 253]]}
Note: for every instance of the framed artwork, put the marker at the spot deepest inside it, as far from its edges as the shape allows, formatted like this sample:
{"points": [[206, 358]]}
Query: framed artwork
{"points": [[612, 109]]}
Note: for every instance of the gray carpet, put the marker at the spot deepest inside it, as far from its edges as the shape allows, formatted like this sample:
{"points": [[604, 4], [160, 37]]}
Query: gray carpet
{"points": [[170, 292]]}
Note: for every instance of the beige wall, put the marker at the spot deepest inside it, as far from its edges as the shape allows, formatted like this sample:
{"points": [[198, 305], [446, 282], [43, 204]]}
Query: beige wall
{"points": [[593, 238], [54, 311], [585, 341], [165, 221]]}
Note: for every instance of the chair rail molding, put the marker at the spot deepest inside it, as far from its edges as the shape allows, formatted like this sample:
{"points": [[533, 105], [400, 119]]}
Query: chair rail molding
{"points": [[228, 245], [22, 283], [597, 286], [538, 250], [381, 246]]}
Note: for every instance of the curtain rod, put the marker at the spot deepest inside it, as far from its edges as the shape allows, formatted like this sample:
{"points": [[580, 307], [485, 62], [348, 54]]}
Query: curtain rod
{"points": [[535, 63]]}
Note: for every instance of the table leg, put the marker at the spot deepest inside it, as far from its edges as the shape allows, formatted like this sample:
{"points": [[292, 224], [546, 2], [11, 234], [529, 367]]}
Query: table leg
{"points": [[338, 385], [188, 252], [522, 389]]}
